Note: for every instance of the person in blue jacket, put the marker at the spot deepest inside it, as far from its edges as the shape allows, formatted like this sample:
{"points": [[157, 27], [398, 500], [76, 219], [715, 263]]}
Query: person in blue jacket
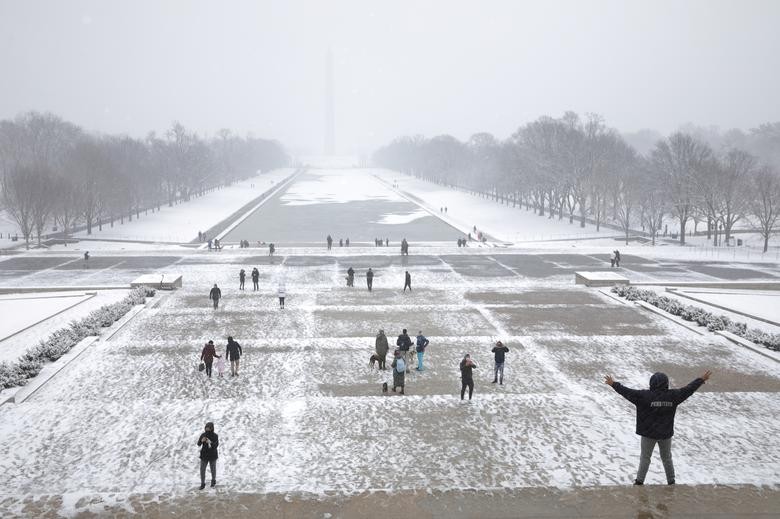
{"points": [[422, 343], [655, 409]]}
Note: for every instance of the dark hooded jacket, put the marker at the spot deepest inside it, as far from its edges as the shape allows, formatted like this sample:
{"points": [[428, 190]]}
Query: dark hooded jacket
{"points": [[655, 407], [233, 350], [404, 342], [206, 452]]}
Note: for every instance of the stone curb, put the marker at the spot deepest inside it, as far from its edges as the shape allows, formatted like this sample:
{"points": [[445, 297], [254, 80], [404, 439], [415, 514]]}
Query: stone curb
{"points": [[766, 352], [673, 318]]}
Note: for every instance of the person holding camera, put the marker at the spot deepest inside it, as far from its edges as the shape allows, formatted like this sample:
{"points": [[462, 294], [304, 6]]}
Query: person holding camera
{"points": [[466, 377], [208, 443]]}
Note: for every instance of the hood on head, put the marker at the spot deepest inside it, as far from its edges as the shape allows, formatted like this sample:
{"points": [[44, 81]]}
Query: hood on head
{"points": [[659, 381]]}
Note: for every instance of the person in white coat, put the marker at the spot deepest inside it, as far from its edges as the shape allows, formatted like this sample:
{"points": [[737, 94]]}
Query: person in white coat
{"points": [[282, 293]]}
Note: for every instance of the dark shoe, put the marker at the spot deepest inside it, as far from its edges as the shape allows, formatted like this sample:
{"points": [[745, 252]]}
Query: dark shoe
{"points": [[670, 482], [394, 390], [494, 381], [402, 392], [213, 483], [501, 383], [638, 483], [202, 486]]}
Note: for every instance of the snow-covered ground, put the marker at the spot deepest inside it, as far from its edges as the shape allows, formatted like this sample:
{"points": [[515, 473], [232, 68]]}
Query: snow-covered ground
{"points": [[307, 414], [44, 306], [182, 222]]}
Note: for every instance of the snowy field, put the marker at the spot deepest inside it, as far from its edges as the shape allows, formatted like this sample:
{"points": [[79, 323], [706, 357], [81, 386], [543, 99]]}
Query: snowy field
{"points": [[307, 416]]}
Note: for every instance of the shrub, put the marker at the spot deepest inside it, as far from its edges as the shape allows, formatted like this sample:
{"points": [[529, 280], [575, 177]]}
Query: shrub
{"points": [[61, 341], [699, 316]]}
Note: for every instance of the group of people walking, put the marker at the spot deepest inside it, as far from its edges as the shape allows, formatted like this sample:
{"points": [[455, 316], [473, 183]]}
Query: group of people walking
{"points": [[329, 241], [233, 353]]}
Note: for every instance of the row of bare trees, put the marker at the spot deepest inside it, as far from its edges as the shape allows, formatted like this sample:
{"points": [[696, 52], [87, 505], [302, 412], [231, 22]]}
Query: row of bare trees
{"points": [[581, 169], [53, 173]]}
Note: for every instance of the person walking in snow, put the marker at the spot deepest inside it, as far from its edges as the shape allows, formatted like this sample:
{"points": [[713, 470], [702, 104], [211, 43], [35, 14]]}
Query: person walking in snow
{"points": [[233, 353], [207, 356], [382, 347], [215, 295], [271, 249], [466, 377], [617, 258], [422, 343], [404, 343], [370, 279], [255, 279], [220, 367], [408, 281], [655, 409], [282, 293], [350, 277], [329, 239], [499, 351], [209, 245], [208, 442], [241, 279], [346, 242], [399, 371]]}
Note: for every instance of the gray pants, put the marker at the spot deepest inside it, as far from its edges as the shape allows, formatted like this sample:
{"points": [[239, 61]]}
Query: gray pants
{"points": [[665, 447], [213, 464], [498, 370]]}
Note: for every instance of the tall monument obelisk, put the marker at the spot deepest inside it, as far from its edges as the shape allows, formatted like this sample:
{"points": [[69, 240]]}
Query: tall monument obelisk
{"points": [[330, 116]]}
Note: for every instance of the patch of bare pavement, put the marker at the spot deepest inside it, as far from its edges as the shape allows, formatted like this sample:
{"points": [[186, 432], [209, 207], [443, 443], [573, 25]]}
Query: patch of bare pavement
{"points": [[648, 502]]}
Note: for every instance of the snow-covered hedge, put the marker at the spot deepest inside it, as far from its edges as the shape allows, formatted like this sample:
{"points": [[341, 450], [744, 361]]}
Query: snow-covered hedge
{"points": [[699, 316], [60, 342]]}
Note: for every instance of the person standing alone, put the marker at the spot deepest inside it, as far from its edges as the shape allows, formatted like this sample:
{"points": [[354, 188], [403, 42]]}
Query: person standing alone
{"points": [[466, 377], [282, 292], [215, 295], [208, 443], [408, 281], [382, 347], [241, 279], [370, 278], [655, 409], [499, 350]]}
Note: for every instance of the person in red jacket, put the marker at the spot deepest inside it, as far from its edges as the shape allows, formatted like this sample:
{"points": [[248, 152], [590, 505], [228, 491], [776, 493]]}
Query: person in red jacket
{"points": [[207, 356], [655, 409]]}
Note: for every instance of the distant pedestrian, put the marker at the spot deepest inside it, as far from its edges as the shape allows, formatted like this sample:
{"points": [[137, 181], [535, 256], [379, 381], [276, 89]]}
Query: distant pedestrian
{"points": [[200, 236], [215, 295], [241, 279], [617, 258], [208, 442], [207, 356], [271, 249], [341, 242], [86, 256], [399, 371], [387, 242], [612, 260], [499, 351], [404, 343], [445, 209], [350, 277], [382, 347], [282, 292], [210, 246], [233, 353], [408, 281], [346, 242], [370, 279], [655, 409], [329, 239], [217, 245], [422, 343], [466, 377]]}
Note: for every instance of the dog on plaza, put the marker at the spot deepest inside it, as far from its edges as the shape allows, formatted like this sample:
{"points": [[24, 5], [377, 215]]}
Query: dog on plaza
{"points": [[373, 361], [384, 388]]}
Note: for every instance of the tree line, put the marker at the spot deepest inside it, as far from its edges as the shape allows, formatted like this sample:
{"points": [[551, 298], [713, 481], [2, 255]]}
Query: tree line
{"points": [[55, 174], [578, 168]]}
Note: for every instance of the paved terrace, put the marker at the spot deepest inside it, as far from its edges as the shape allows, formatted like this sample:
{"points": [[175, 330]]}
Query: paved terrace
{"points": [[306, 417]]}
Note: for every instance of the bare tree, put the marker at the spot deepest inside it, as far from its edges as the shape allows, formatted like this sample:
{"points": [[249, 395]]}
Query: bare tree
{"points": [[765, 201], [678, 159], [737, 167], [19, 193]]}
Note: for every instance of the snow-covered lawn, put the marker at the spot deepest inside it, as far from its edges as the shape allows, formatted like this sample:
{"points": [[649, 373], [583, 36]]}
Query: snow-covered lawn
{"points": [[17, 311], [182, 222]]}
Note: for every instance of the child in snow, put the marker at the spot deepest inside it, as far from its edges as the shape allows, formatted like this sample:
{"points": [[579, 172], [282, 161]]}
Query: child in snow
{"points": [[220, 366]]}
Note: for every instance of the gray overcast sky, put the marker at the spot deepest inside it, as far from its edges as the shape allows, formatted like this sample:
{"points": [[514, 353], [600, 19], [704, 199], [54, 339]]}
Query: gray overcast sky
{"points": [[401, 67]]}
